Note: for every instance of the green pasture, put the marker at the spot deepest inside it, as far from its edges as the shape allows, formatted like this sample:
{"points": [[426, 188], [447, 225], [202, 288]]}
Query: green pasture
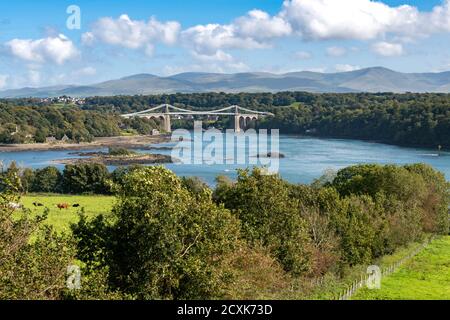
{"points": [[424, 277], [61, 219]]}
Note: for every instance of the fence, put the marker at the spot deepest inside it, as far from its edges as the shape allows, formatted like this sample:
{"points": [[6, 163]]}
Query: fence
{"points": [[369, 278]]}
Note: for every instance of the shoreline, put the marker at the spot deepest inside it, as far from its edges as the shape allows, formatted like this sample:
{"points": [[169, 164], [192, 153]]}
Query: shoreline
{"points": [[129, 142]]}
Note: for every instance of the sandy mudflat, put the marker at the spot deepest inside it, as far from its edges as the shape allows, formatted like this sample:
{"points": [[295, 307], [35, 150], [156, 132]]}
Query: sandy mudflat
{"points": [[132, 142]]}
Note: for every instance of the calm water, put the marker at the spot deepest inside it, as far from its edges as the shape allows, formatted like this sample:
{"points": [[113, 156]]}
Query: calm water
{"points": [[306, 158]]}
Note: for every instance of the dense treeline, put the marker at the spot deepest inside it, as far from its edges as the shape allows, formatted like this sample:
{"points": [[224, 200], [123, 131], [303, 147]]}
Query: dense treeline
{"points": [[88, 178], [21, 124], [409, 123], [264, 101], [172, 238], [405, 119]]}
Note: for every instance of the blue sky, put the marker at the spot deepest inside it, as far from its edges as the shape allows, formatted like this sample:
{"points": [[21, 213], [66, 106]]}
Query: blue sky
{"points": [[118, 38]]}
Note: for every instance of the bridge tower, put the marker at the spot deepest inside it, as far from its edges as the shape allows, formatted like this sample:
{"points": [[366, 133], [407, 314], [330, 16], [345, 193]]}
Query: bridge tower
{"points": [[167, 124], [237, 117]]}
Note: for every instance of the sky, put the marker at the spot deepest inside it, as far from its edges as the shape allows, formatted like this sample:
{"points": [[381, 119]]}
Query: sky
{"points": [[50, 43]]}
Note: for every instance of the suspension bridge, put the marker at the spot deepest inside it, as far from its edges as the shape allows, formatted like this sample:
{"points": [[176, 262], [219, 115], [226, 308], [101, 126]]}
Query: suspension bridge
{"points": [[164, 112]]}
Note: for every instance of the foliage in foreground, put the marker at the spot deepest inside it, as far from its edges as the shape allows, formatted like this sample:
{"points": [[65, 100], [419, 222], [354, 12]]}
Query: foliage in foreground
{"points": [[165, 242], [257, 237], [33, 258]]}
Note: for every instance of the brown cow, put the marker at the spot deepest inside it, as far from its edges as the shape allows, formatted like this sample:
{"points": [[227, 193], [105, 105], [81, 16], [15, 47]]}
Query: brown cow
{"points": [[63, 206]]}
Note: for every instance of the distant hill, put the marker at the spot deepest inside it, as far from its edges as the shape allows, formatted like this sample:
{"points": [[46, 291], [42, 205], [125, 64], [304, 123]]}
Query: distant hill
{"points": [[365, 80]]}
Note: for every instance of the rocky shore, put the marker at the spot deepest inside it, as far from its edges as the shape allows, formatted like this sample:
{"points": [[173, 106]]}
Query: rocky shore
{"points": [[120, 160]]}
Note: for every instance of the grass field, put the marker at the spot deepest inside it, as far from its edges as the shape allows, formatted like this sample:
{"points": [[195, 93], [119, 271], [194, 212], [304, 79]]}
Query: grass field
{"points": [[425, 277], [61, 219]]}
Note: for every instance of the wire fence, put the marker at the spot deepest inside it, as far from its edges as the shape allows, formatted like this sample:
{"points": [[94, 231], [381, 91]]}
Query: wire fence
{"points": [[368, 279]]}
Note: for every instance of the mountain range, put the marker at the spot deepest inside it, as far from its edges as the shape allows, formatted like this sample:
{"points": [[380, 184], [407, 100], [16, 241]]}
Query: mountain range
{"points": [[375, 79]]}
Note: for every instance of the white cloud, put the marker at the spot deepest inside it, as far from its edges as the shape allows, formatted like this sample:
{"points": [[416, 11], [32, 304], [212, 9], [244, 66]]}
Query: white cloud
{"points": [[347, 19], [57, 49], [336, 51], [319, 20], [208, 39], [253, 31], [438, 20], [259, 25], [346, 67], [387, 49], [303, 55], [132, 34], [3, 80]]}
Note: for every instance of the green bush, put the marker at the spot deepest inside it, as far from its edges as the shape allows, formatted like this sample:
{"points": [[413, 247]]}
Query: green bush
{"points": [[117, 151], [163, 241], [269, 217], [86, 178], [48, 179], [390, 206], [436, 201]]}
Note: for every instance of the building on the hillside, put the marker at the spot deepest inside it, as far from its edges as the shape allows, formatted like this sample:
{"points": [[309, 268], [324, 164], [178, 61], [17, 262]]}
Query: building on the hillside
{"points": [[155, 132], [50, 140], [65, 139]]}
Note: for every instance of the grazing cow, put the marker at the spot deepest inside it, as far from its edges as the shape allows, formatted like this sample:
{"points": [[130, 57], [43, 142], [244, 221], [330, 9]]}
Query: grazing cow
{"points": [[63, 206], [76, 205]]}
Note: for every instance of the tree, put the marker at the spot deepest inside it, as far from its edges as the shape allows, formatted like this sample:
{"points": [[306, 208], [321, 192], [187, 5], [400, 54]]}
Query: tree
{"points": [[163, 241], [359, 222], [436, 201], [269, 217], [27, 179], [86, 178], [48, 179], [194, 184], [405, 202]]}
